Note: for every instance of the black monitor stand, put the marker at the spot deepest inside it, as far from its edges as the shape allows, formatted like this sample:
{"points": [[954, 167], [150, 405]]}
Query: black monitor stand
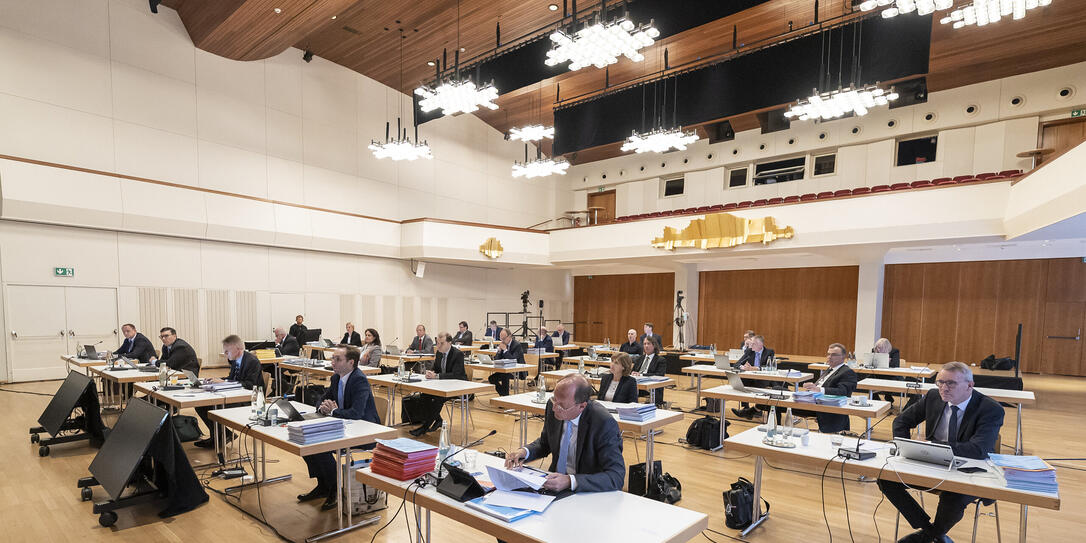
{"points": [[60, 422]]}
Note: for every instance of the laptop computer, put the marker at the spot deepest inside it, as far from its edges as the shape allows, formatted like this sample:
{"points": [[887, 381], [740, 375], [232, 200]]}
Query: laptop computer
{"points": [[927, 452], [557, 340], [865, 359], [735, 354], [393, 350], [90, 353], [592, 353], [328, 343], [722, 361], [736, 383], [483, 359], [880, 360], [291, 414]]}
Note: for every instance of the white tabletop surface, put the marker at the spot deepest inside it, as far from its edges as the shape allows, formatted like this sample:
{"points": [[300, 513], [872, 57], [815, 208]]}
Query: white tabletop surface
{"points": [[998, 394], [187, 397], [356, 432]]}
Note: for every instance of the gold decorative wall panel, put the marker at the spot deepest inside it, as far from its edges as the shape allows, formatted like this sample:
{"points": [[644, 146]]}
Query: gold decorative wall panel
{"points": [[722, 230], [492, 248]]}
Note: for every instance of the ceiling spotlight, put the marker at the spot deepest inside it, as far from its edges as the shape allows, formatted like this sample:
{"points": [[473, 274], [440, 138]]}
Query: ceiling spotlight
{"points": [[659, 141], [429, 63], [307, 55], [540, 167], [833, 104], [463, 49], [984, 12], [334, 17], [278, 11], [453, 97], [553, 7]]}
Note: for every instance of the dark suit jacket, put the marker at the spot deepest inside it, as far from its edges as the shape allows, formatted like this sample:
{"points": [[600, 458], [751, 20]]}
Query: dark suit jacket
{"points": [[138, 347], [462, 338], [181, 356], [515, 351], [425, 345], [977, 432], [246, 371], [841, 383], [748, 357], [626, 391], [565, 337], [600, 467], [545, 343], [632, 349], [658, 365], [354, 338], [496, 333], [298, 331], [357, 401], [454, 366], [895, 358], [289, 346]]}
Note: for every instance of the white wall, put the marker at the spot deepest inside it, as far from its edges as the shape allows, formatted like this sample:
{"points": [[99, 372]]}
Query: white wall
{"points": [[107, 85]]}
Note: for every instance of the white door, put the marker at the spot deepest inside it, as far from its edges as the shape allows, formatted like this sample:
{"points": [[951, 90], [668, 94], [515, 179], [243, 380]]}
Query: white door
{"points": [[38, 334], [92, 318]]}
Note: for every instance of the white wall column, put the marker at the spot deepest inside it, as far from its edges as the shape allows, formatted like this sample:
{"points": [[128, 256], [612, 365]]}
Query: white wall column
{"points": [[869, 287]]}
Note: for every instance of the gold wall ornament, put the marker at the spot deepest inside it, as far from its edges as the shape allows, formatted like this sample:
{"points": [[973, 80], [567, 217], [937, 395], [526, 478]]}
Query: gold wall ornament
{"points": [[492, 248], [722, 230]]}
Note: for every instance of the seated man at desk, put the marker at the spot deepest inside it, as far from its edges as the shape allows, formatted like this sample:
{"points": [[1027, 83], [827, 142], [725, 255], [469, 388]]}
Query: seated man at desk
{"points": [[632, 347], [245, 369], [421, 343], [959, 416], [748, 337], [619, 386], [837, 380], [135, 345], [493, 331], [508, 349], [650, 334], [651, 363], [177, 354], [463, 335], [582, 438], [560, 332], [348, 397], [351, 337], [286, 344], [448, 364], [544, 340], [753, 358]]}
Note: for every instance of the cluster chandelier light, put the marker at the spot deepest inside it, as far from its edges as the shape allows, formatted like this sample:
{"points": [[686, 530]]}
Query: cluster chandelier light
{"points": [[540, 167], [401, 147], [600, 44], [830, 105], [660, 139], [532, 132], [898, 7], [455, 94], [983, 12]]}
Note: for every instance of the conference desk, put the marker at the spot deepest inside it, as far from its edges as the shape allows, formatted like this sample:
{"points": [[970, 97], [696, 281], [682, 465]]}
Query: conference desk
{"points": [[526, 404], [588, 361], [308, 367], [567, 347], [921, 372], [1016, 397], [821, 453], [406, 358], [82, 363], [442, 388], [122, 378], [647, 386], [356, 433], [307, 351], [701, 370], [599, 517], [515, 369], [187, 398]]}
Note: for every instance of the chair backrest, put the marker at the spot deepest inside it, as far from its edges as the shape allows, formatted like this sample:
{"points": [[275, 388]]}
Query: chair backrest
{"points": [[267, 381], [382, 406]]}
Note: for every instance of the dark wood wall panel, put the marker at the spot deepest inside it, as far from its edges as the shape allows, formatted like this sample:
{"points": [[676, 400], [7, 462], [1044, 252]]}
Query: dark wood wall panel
{"points": [[965, 311], [798, 310], [606, 306]]}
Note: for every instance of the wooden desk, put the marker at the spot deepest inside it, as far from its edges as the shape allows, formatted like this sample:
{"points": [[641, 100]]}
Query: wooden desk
{"points": [[920, 373], [576, 360], [123, 378], [574, 518], [356, 433], [821, 453], [593, 377], [442, 388]]}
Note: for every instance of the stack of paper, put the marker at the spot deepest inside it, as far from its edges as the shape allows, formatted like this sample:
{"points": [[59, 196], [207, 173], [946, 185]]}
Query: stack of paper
{"points": [[829, 399], [515, 495], [637, 412], [1028, 473], [806, 396], [304, 432], [651, 378], [403, 458], [504, 362], [220, 387]]}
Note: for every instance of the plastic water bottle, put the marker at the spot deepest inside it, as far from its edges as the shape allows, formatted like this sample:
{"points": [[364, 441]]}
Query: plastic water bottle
{"points": [[541, 390], [771, 425], [712, 349], [787, 429], [580, 365], [162, 376], [400, 370], [443, 443], [259, 401], [772, 363], [253, 405]]}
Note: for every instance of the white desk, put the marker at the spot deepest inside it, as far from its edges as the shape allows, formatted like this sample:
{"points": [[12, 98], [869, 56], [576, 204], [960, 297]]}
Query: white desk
{"points": [[578, 517], [309, 367], [820, 451], [442, 388], [122, 378], [514, 369], [920, 373], [72, 360], [356, 433], [700, 370]]}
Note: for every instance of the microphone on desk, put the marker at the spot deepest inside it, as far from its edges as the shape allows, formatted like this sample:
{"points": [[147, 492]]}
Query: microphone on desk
{"points": [[459, 484], [461, 449]]}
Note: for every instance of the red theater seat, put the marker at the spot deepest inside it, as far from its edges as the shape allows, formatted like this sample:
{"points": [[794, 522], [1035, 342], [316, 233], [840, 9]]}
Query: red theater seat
{"points": [[759, 203], [825, 195], [900, 186], [716, 207], [730, 205], [745, 204], [968, 180], [774, 201], [987, 175], [1010, 173], [808, 197], [880, 188], [960, 178], [861, 190], [943, 181], [842, 192], [922, 183], [791, 199]]}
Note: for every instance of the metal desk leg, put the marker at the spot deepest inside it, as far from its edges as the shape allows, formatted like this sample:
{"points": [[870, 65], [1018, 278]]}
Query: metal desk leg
{"points": [[1018, 435], [652, 396], [263, 480], [758, 516], [867, 433], [698, 404], [1022, 524], [464, 414], [649, 442], [342, 484], [279, 378], [523, 427], [723, 426]]}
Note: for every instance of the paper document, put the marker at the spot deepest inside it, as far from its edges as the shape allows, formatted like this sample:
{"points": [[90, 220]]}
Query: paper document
{"points": [[507, 479], [519, 500]]}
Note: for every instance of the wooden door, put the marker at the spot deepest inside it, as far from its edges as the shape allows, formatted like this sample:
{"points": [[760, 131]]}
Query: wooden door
{"points": [[604, 200], [1062, 347], [1062, 135]]}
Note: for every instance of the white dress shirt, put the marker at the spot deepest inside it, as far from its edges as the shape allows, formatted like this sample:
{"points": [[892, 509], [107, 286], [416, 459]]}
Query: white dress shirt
{"points": [[571, 457], [943, 427]]}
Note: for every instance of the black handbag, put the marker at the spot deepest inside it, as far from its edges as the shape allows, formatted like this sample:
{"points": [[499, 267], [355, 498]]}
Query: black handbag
{"points": [[704, 433], [411, 409], [663, 487], [186, 427], [739, 505], [313, 394]]}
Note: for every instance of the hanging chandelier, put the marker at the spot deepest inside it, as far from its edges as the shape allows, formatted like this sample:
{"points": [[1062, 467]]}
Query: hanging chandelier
{"points": [[898, 7], [457, 96], [540, 167], [984, 12], [532, 132], [659, 140], [600, 44], [834, 104], [401, 147]]}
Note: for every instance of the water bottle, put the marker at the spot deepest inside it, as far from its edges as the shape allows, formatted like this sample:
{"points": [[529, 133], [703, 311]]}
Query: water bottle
{"points": [[787, 429], [580, 365], [252, 405], [443, 443], [771, 425], [712, 349], [400, 370], [162, 376], [772, 363], [541, 390], [259, 401]]}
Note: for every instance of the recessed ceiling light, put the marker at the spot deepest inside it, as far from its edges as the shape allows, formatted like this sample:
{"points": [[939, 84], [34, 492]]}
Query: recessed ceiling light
{"points": [[553, 7], [278, 11], [430, 63], [463, 49], [334, 17]]}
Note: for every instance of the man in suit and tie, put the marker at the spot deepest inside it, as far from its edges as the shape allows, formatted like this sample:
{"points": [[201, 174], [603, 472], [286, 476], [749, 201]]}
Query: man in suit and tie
{"points": [[651, 363], [351, 337], [448, 364], [837, 380], [748, 336], [421, 343], [959, 416], [493, 331], [752, 360], [135, 345], [463, 335], [544, 340], [508, 349], [245, 369], [560, 331], [649, 333], [348, 397], [582, 438], [286, 344], [177, 354]]}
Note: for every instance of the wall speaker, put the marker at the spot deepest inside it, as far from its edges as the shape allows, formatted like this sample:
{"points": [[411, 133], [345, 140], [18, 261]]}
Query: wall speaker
{"points": [[418, 268]]}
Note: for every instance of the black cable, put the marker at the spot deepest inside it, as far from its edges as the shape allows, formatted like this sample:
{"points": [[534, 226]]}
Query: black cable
{"points": [[881, 499], [25, 392], [707, 537], [822, 484], [844, 494], [733, 538], [398, 509]]}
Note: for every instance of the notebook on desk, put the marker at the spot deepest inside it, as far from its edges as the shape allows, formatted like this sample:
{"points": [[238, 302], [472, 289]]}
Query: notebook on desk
{"points": [[926, 452], [291, 414]]}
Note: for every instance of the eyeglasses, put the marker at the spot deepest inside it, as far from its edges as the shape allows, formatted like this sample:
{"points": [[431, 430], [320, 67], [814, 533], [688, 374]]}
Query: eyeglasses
{"points": [[947, 384], [164, 336]]}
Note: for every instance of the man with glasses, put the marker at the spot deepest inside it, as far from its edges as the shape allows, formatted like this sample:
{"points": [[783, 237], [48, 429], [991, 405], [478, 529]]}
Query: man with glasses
{"points": [[956, 414], [837, 380], [582, 438], [177, 354], [245, 369], [448, 364]]}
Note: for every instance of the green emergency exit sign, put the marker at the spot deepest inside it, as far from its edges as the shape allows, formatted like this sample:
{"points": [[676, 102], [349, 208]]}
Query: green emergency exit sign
{"points": [[1078, 112], [64, 272]]}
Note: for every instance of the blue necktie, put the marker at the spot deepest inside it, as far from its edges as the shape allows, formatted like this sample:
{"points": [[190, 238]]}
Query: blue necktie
{"points": [[563, 451], [758, 359], [127, 345], [952, 426], [342, 385]]}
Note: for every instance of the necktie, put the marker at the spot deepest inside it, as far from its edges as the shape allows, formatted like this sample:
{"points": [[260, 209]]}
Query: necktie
{"points": [[127, 345], [645, 364], [444, 356], [952, 425], [563, 452], [342, 385], [758, 359]]}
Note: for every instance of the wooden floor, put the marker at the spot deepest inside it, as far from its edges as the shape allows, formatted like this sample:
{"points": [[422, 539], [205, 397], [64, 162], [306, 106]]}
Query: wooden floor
{"points": [[39, 500]]}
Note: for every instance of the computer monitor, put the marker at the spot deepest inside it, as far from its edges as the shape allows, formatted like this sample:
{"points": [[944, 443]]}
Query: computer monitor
{"points": [[865, 359], [881, 360], [722, 361], [91, 353], [254, 345], [735, 354], [123, 450], [312, 334], [64, 401], [557, 341]]}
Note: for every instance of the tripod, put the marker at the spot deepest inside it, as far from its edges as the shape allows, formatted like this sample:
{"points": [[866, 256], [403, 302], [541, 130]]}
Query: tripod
{"points": [[680, 320]]}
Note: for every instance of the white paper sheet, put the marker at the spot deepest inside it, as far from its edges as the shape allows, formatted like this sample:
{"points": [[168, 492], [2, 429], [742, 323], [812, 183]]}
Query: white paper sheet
{"points": [[507, 479], [519, 500]]}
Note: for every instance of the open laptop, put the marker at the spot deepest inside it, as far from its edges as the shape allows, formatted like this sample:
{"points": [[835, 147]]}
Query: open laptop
{"points": [[328, 343], [735, 354], [557, 340], [866, 360], [291, 414], [736, 383], [722, 361], [928, 453], [90, 352], [392, 350], [880, 360], [483, 359], [592, 353]]}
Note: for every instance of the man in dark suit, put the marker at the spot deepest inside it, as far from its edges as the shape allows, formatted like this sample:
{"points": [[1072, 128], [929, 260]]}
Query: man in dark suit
{"points": [[463, 335], [286, 344], [177, 354], [959, 416], [544, 340], [245, 369], [298, 330], [448, 364], [649, 333], [651, 363], [752, 360], [508, 349], [837, 380], [632, 347], [421, 343], [493, 331], [351, 337], [560, 331], [348, 397], [135, 345], [582, 438]]}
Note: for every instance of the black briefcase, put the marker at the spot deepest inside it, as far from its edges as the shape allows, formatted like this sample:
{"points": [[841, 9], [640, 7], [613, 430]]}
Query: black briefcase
{"points": [[411, 409]]}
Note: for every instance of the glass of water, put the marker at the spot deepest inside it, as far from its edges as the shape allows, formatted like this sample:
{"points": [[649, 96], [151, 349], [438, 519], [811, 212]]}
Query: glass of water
{"points": [[470, 456]]}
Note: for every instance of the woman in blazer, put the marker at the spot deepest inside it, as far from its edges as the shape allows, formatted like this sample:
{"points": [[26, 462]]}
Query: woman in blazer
{"points": [[624, 390], [371, 349]]}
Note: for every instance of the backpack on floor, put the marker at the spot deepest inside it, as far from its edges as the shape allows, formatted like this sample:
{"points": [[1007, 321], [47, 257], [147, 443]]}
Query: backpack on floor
{"points": [[704, 433], [739, 505]]}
